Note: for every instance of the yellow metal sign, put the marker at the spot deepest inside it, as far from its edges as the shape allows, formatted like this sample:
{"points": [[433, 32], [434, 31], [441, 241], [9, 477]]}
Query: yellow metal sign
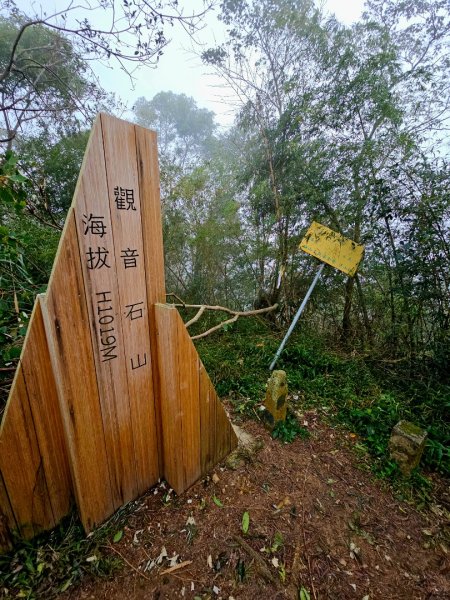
{"points": [[332, 248]]}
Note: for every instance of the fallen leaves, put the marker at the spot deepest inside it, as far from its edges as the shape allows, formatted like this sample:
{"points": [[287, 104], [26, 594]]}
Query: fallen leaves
{"points": [[354, 551]]}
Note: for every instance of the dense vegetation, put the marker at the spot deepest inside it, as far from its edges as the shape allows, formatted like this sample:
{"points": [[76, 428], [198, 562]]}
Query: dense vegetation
{"points": [[343, 125]]}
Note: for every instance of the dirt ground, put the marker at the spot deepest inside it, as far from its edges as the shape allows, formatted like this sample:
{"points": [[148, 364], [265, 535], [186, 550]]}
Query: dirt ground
{"points": [[317, 523]]}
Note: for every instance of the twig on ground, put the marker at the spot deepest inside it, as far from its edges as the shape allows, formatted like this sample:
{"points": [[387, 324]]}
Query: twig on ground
{"points": [[260, 564], [109, 547], [176, 567]]}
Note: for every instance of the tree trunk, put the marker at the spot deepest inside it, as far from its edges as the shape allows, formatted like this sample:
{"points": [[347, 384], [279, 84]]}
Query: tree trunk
{"points": [[362, 304], [347, 333]]}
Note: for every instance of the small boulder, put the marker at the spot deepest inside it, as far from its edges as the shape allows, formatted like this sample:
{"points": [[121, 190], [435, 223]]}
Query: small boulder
{"points": [[247, 448], [406, 445]]}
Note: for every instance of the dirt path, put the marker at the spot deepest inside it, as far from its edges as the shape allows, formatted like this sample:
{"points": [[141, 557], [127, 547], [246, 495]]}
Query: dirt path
{"points": [[317, 522]]}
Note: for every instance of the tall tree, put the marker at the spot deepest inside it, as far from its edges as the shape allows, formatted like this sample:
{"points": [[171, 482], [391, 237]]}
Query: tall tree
{"points": [[200, 214], [337, 117], [184, 130], [45, 57], [266, 43]]}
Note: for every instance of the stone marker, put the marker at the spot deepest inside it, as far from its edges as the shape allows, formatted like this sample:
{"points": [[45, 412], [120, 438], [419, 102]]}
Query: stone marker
{"points": [[276, 399], [406, 445]]}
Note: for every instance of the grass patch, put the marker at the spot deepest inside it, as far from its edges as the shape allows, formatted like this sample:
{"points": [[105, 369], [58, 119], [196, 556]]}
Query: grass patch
{"points": [[290, 429], [54, 561], [358, 392]]}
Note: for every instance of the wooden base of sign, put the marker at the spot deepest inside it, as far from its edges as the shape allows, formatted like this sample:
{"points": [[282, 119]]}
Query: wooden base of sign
{"points": [[110, 394], [196, 431]]}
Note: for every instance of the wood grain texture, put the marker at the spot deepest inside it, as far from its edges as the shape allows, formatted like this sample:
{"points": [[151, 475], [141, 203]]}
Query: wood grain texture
{"points": [[110, 393], [96, 242], [188, 390], [207, 422], [119, 142], [7, 521], [66, 319], [226, 439], [21, 465], [44, 405], [171, 402], [148, 173], [32, 441], [196, 431]]}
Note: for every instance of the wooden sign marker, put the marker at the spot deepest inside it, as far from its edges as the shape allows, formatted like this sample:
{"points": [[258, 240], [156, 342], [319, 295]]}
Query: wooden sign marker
{"points": [[110, 394], [329, 247]]}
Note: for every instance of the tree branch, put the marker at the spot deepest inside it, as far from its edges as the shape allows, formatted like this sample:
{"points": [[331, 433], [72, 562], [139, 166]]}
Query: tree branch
{"points": [[235, 315]]}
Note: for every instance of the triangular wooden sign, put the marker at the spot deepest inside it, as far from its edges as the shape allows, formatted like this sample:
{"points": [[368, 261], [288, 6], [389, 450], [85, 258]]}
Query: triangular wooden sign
{"points": [[110, 394]]}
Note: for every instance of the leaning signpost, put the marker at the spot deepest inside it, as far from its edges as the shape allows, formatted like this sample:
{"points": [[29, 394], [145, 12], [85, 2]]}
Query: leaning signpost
{"points": [[109, 394], [330, 248]]}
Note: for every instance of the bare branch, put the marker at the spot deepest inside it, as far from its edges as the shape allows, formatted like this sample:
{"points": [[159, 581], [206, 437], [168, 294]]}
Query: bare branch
{"points": [[236, 314], [173, 295], [197, 317], [216, 328], [8, 67]]}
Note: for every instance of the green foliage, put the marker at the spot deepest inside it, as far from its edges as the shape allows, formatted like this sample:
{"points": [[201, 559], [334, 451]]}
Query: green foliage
{"points": [[361, 394], [286, 431], [277, 542], [375, 92], [370, 403], [303, 594], [184, 129], [27, 249], [44, 79], [238, 361], [12, 189], [52, 562], [52, 168], [217, 502]]}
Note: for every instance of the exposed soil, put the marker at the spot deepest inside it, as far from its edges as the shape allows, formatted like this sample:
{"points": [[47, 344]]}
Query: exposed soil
{"points": [[317, 521]]}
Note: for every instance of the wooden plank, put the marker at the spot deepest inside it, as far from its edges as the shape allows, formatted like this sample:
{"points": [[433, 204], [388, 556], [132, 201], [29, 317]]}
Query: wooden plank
{"points": [[226, 439], [119, 142], [207, 421], [7, 520], [196, 431], [21, 464], [66, 319], [98, 261], [44, 405], [188, 385], [223, 439], [148, 173], [171, 412]]}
